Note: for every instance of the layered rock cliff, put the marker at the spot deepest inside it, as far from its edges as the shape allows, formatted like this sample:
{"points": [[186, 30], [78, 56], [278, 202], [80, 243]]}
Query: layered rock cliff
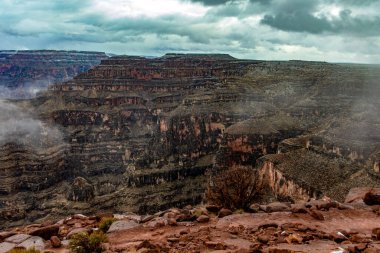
{"points": [[145, 134], [23, 73]]}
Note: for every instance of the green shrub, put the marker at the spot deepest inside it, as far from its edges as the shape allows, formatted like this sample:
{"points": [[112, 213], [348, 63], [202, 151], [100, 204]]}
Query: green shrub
{"points": [[21, 250], [85, 243], [105, 224]]}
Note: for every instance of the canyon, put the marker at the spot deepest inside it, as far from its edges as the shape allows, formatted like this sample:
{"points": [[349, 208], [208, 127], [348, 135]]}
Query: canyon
{"points": [[143, 135]]}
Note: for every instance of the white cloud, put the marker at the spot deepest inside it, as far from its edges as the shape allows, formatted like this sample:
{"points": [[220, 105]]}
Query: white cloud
{"points": [[147, 8]]}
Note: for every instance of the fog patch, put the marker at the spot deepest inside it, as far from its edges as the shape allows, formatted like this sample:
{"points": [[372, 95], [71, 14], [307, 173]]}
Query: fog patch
{"points": [[19, 126], [26, 91]]}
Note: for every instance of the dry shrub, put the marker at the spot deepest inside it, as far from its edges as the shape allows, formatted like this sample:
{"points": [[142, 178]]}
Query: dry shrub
{"points": [[234, 188], [105, 224], [85, 243]]}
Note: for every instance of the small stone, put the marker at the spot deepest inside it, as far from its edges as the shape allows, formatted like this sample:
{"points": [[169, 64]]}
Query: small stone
{"points": [[224, 212], [254, 208], [184, 231], [172, 239], [65, 243], [268, 225], [338, 237], [203, 219], [263, 239], [172, 222], [80, 217], [55, 242]]}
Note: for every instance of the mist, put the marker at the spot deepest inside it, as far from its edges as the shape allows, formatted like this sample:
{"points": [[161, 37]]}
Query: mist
{"points": [[19, 126], [25, 91]]}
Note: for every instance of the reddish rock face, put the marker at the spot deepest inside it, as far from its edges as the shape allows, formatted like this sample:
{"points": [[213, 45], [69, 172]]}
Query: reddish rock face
{"points": [[144, 132]]}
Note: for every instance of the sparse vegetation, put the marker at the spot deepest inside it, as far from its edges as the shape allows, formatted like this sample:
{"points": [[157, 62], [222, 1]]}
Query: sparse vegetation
{"points": [[85, 243], [234, 188], [22, 250], [105, 224]]}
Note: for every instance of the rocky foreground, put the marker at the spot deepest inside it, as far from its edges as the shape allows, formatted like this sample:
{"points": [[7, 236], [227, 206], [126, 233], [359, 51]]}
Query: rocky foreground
{"points": [[314, 226]]}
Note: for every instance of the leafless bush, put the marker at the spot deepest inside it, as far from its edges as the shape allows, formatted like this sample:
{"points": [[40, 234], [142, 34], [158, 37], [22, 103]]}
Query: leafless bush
{"points": [[234, 188]]}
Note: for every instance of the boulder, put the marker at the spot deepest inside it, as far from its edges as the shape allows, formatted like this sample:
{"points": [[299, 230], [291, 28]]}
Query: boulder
{"points": [[372, 197], [6, 246], [4, 235], [19, 238], [358, 194], [122, 225], [276, 207], [224, 212], [46, 232], [203, 218], [156, 222], [298, 208], [33, 242]]}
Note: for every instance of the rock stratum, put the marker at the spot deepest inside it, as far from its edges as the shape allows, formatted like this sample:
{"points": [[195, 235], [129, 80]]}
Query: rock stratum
{"points": [[23, 73], [144, 135]]}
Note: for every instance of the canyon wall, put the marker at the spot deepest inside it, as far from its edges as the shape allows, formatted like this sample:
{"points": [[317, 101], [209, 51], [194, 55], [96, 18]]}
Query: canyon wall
{"points": [[143, 135], [23, 73]]}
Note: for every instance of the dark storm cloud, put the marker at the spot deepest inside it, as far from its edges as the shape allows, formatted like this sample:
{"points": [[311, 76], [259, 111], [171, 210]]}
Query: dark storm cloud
{"points": [[299, 16], [297, 22]]}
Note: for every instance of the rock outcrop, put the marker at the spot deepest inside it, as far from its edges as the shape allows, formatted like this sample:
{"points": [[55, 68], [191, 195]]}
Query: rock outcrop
{"points": [[146, 134]]}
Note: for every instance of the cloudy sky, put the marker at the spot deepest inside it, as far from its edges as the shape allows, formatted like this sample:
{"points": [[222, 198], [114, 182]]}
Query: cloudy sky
{"points": [[327, 30]]}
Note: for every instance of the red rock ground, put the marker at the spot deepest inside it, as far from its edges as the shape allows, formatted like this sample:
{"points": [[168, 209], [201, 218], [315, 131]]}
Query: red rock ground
{"points": [[269, 232]]}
